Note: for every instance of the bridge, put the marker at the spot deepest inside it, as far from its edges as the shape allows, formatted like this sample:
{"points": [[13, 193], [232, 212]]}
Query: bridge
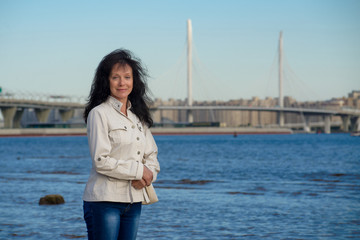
{"points": [[12, 105], [12, 109], [350, 117]]}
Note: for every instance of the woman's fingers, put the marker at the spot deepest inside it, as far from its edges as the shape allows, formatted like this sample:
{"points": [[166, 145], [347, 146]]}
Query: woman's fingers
{"points": [[138, 184], [147, 176]]}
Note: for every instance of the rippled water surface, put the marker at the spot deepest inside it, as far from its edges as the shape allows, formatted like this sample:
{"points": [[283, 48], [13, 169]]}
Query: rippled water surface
{"points": [[210, 187]]}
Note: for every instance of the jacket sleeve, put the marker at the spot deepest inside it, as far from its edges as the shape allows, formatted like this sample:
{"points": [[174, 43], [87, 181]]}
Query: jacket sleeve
{"points": [[100, 148], [150, 155]]}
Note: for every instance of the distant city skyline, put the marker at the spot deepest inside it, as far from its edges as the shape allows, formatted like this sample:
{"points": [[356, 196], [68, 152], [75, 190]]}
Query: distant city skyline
{"points": [[55, 47]]}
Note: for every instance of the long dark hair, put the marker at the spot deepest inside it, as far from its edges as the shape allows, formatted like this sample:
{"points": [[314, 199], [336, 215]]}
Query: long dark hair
{"points": [[100, 88]]}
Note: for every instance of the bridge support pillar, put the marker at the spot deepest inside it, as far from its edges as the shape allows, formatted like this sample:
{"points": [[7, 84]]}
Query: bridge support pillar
{"points": [[281, 117], [17, 118], [161, 117], [8, 114], [66, 114], [42, 114], [259, 119], [190, 117], [307, 127], [354, 124], [327, 124], [345, 123]]}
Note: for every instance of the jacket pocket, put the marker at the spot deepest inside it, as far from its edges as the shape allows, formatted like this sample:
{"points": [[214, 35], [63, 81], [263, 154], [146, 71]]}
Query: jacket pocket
{"points": [[119, 134]]}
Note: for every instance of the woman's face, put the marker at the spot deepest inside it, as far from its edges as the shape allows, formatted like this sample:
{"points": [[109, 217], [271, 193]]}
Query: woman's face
{"points": [[121, 82]]}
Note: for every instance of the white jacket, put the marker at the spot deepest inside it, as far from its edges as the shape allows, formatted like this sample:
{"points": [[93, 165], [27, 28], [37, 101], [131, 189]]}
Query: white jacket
{"points": [[120, 146]]}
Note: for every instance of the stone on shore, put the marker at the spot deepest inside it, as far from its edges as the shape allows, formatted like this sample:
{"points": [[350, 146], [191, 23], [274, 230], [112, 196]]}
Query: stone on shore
{"points": [[52, 200]]}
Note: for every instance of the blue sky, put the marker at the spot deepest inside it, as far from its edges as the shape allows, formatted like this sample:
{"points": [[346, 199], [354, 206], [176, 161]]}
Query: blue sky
{"points": [[54, 46]]}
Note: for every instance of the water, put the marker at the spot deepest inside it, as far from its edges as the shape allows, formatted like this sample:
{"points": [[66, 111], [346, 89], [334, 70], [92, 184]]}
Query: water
{"points": [[210, 187]]}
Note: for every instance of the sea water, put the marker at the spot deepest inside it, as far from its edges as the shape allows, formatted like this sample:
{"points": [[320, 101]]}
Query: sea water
{"points": [[209, 187]]}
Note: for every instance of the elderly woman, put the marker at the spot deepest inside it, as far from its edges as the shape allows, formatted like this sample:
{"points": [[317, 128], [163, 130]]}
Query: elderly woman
{"points": [[122, 148]]}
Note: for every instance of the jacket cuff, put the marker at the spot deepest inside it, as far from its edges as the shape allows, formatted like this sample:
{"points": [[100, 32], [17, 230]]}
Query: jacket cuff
{"points": [[140, 171]]}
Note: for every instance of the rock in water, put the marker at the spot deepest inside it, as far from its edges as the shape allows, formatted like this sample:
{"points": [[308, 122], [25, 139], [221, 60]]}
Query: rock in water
{"points": [[51, 199]]}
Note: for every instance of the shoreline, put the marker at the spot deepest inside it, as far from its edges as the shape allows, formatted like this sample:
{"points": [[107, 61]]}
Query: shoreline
{"points": [[39, 132]]}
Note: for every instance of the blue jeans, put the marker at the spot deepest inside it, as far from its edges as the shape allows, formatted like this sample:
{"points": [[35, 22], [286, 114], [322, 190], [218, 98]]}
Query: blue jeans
{"points": [[112, 220]]}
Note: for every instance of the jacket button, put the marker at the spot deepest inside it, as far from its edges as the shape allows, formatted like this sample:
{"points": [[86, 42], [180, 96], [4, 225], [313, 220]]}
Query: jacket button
{"points": [[99, 159], [125, 127], [133, 126], [138, 138], [138, 152]]}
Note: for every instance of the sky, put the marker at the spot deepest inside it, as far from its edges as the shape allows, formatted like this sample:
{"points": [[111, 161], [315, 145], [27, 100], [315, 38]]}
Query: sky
{"points": [[54, 47]]}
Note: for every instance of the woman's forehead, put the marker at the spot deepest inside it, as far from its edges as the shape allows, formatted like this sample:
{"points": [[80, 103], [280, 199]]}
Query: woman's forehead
{"points": [[121, 67]]}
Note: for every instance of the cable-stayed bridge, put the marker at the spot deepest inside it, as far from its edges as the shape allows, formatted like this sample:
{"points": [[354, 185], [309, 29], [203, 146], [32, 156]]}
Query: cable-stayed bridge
{"points": [[349, 117], [13, 105]]}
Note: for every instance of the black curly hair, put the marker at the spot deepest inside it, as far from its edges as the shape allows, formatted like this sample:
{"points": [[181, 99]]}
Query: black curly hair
{"points": [[100, 88]]}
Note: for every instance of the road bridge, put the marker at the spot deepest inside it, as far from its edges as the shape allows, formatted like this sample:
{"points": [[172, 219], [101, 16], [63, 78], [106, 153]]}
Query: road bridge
{"points": [[12, 110]]}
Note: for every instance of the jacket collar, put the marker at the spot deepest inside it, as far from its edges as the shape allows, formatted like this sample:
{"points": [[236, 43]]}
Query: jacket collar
{"points": [[116, 104]]}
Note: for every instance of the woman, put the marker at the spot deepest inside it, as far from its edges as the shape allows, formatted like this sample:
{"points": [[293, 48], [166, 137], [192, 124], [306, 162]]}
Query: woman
{"points": [[122, 148]]}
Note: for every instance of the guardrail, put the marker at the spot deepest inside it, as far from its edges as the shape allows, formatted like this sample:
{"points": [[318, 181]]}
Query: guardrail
{"points": [[33, 96]]}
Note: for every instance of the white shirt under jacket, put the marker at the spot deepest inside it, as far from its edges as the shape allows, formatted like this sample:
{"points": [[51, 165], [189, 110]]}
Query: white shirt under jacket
{"points": [[120, 146]]}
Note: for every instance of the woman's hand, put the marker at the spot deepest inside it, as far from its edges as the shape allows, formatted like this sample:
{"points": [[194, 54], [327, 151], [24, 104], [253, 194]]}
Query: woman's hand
{"points": [[145, 181], [138, 184], [147, 176]]}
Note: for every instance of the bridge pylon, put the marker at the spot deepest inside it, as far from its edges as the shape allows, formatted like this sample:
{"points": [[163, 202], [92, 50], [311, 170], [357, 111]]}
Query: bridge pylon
{"points": [[190, 117], [281, 116]]}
